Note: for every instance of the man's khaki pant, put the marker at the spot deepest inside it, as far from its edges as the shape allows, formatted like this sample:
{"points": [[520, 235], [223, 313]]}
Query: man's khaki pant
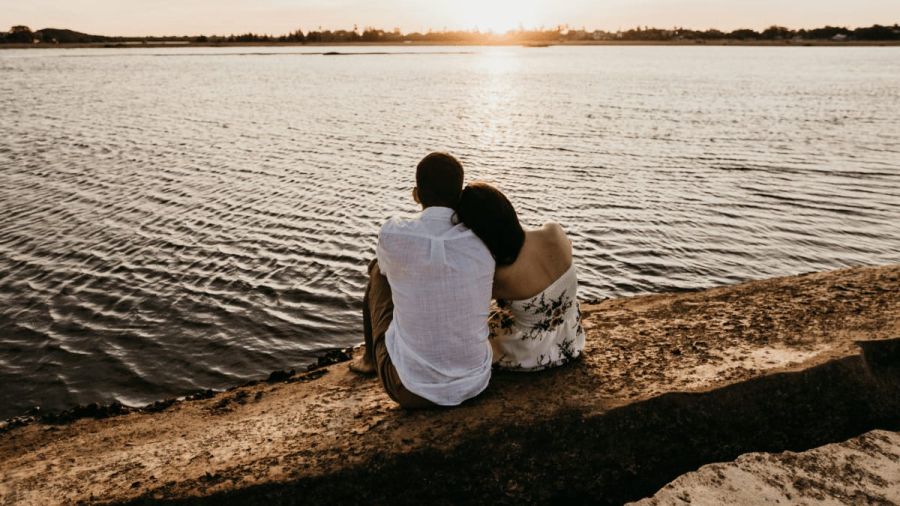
{"points": [[378, 311]]}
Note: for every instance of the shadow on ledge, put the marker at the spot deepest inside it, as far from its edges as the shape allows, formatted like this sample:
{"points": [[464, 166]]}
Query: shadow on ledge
{"points": [[622, 455]]}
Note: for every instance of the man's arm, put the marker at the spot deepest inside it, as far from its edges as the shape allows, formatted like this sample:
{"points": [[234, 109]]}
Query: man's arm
{"points": [[381, 253]]}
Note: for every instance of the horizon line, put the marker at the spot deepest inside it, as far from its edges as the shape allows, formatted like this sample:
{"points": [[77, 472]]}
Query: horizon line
{"points": [[562, 28]]}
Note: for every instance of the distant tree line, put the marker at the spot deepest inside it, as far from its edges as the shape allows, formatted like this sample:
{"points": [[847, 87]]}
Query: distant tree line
{"points": [[23, 35], [875, 32]]}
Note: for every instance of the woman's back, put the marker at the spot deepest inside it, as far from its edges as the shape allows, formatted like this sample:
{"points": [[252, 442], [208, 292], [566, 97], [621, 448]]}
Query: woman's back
{"points": [[538, 324], [545, 256], [538, 321]]}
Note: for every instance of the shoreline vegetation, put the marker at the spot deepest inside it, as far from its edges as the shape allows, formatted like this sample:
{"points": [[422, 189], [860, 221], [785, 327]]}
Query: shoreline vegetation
{"points": [[668, 383], [21, 36]]}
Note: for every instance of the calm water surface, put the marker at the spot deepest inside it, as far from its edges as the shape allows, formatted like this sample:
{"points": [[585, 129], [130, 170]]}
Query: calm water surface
{"points": [[178, 219]]}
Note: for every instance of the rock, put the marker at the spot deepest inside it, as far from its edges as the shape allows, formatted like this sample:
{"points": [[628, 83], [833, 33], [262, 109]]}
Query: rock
{"points": [[278, 376], [862, 470]]}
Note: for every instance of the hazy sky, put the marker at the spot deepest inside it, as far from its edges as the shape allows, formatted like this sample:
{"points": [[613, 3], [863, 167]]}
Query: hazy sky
{"points": [[177, 17]]}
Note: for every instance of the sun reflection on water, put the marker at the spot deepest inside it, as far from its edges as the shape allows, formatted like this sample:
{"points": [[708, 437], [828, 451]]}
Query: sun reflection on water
{"points": [[493, 103]]}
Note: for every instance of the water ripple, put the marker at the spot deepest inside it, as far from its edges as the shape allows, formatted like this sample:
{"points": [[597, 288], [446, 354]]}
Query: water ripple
{"points": [[171, 224]]}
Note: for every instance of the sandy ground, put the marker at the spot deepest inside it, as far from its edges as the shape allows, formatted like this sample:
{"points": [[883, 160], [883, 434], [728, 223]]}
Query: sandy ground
{"points": [[332, 421], [863, 470]]}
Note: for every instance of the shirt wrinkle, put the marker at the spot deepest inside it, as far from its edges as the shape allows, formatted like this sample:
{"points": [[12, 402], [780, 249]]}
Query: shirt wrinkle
{"points": [[441, 277]]}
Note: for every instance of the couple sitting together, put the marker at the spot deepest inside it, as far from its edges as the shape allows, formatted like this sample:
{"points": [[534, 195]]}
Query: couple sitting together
{"points": [[430, 334]]}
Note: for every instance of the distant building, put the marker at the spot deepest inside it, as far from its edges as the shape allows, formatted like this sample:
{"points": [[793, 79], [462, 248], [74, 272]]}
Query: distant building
{"points": [[839, 37]]}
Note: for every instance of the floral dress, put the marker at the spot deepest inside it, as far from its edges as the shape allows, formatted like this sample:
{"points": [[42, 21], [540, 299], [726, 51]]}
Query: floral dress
{"points": [[541, 332]]}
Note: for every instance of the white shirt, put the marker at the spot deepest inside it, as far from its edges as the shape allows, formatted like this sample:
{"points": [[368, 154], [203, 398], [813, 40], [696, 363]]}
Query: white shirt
{"points": [[441, 277]]}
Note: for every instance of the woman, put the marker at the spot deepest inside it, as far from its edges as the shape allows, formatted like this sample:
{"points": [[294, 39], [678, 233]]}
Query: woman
{"points": [[538, 324]]}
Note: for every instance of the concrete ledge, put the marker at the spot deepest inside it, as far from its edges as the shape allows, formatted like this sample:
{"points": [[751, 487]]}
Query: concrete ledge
{"points": [[668, 383]]}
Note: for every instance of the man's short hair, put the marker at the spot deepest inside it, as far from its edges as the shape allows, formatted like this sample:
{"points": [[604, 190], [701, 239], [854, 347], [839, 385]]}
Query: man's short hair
{"points": [[439, 179]]}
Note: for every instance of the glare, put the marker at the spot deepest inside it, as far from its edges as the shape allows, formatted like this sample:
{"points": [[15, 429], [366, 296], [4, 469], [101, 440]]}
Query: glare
{"points": [[499, 16]]}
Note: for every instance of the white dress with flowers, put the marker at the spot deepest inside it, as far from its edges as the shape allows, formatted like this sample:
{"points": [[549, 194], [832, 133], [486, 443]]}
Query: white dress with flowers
{"points": [[541, 332]]}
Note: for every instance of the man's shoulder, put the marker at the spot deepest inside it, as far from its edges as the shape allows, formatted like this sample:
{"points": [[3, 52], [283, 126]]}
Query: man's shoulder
{"points": [[402, 226]]}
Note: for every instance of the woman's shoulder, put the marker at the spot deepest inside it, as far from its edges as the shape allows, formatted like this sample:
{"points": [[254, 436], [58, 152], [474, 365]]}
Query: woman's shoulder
{"points": [[552, 231], [554, 237], [553, 227]]}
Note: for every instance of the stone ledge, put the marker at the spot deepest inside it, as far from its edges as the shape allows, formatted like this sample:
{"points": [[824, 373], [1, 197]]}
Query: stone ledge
{"points": [[862, 470], [668, 383]]}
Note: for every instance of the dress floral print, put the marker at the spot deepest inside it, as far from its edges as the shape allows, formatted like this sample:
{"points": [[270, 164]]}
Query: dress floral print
{"points": [[552, 313], [501, 320], [540, 332]]}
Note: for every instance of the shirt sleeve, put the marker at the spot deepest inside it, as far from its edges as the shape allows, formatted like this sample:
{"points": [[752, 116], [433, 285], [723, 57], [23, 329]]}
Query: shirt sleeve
{"points": [[384, 262]]}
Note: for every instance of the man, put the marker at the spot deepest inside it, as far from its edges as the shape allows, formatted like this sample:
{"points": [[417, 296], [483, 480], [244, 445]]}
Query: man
{"points": [[426, 305]]}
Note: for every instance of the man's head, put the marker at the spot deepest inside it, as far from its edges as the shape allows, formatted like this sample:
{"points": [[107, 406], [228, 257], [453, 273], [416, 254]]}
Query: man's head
{"points": [[439, 180]]}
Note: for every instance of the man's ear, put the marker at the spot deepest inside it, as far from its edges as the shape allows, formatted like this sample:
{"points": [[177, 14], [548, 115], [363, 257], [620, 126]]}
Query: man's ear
{"points": [[416, 195]]}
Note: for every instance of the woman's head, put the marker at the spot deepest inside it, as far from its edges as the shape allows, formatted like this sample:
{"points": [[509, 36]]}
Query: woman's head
{"points": [[488, 213]]}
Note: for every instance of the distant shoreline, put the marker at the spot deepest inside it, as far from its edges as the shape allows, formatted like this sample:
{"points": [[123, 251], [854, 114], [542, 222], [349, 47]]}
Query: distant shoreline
{"points": [[686, 42]]}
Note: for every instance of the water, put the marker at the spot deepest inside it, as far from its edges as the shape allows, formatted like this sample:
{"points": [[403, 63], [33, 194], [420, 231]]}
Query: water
{"points": [[178, 219]]}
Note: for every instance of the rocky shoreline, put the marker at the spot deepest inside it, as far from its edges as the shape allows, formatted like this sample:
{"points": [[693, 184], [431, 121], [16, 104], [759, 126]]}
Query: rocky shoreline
{"points": [[99, 411], [668, 383]]}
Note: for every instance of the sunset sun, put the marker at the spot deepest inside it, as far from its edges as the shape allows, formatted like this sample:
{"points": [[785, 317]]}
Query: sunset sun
{"points": [[498, 16]]}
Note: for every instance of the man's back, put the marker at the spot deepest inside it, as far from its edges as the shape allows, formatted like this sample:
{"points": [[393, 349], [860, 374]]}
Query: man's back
{"points": [[441, 277]]}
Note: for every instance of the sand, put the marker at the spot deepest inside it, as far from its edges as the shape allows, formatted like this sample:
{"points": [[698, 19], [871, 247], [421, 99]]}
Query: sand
{"points": [[667, 384]]}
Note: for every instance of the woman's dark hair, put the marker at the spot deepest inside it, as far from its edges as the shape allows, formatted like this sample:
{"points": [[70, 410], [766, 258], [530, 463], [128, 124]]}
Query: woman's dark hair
{"points": [[488, 213]]}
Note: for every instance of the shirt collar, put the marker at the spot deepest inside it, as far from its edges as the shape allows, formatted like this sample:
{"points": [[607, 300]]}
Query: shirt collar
{"points": [[438, 213]]}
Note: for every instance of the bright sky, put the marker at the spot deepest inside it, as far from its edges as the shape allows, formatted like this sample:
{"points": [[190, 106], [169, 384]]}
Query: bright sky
{"points": [[191, 17]]}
